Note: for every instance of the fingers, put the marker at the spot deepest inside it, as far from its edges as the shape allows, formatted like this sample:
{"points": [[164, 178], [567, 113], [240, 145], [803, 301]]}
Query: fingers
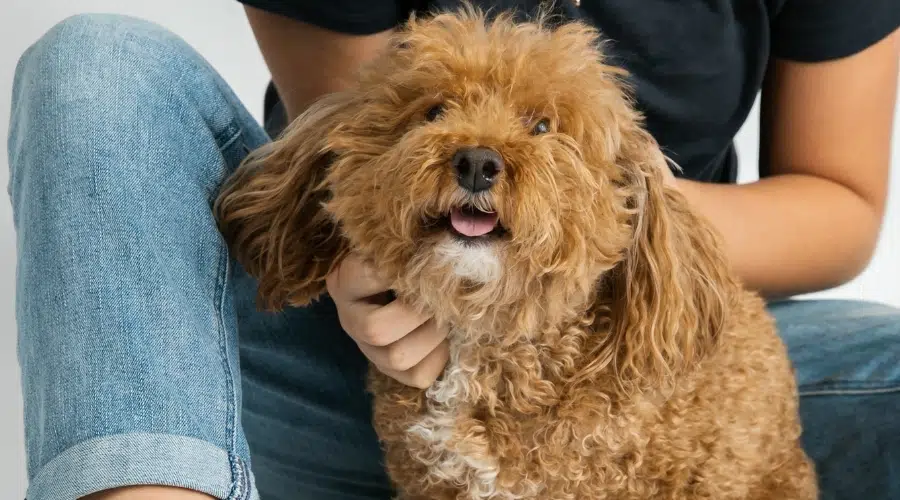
{"points": [[406, 352], [378, 325], [405, 345], [353, 284], [426, 371], [355, 280]]}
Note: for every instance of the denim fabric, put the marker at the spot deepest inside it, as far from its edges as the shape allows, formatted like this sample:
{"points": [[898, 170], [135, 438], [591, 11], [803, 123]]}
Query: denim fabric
{"points": [[120, 136], [129, 310], [847, 358]]}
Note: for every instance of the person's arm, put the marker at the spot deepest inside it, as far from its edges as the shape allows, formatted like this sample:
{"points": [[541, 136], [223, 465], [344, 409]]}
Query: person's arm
{"points": [[813, 221], [307, 61]]}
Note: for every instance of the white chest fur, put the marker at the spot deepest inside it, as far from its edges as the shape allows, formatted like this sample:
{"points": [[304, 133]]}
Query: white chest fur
{"points": [[477, 262], [471, 469], [464, 464]]}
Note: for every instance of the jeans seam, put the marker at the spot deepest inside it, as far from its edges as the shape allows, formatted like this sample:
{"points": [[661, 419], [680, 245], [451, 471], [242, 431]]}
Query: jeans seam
{"points": [[241, 477], [848, 390], [246, 469], [231, 412]]}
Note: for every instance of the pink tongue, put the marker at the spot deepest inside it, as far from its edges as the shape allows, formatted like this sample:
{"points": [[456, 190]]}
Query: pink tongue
{"points": [[472, 224]]}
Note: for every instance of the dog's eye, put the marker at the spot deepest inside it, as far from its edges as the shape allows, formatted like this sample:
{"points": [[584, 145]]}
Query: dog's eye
{"points": [[541, 127], [434, 112]]}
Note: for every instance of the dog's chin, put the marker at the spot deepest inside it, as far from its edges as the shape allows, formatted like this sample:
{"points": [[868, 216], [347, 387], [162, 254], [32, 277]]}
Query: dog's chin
{"points": [[469, 243]]}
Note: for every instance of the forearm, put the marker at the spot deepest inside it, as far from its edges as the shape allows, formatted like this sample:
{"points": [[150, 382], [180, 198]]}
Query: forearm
{"points": [[789, 234]]}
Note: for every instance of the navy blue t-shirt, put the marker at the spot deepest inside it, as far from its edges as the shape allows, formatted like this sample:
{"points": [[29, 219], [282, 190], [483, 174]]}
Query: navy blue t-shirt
{"points": [[696, 65]]}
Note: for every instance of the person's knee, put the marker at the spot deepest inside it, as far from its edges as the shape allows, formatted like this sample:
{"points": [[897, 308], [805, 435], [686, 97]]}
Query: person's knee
{"points": [[91, 62], [100, 85], [85, 83], [94, 48]]}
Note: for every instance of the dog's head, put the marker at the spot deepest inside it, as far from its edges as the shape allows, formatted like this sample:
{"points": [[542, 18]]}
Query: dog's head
{"points": [[496, 173]]}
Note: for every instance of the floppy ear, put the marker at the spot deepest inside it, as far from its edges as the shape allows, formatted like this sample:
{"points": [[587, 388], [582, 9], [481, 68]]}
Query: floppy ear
{"points": [[270, 210], [668, 298]]}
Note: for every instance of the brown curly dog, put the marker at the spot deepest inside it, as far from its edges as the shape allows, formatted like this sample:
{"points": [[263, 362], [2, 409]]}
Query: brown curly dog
{"points": [[497, 173]]}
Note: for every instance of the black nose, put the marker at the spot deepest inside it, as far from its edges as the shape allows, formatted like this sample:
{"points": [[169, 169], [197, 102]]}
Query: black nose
{"points": [[477, 168]]}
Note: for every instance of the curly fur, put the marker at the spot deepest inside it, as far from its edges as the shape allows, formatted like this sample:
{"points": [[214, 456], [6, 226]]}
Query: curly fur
{"points": [[602, 349]]}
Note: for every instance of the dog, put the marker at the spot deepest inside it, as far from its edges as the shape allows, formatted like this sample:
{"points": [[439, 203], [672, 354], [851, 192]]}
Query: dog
{"points": [[498, 173]]}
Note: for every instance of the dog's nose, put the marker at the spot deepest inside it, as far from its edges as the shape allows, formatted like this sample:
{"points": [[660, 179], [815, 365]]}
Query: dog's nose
{"points": [[477, 168]]}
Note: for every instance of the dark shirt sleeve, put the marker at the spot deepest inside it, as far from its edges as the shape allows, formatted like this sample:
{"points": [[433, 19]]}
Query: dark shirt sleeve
{"points": [[821, 30], [353, 17]]}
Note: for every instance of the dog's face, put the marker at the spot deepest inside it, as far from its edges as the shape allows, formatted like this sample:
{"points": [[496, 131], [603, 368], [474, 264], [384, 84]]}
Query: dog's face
{"points": [[494, 171], [481, 159]]}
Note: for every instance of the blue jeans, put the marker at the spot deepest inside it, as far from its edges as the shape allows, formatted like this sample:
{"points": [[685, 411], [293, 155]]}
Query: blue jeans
{"points": [[144, 360]]}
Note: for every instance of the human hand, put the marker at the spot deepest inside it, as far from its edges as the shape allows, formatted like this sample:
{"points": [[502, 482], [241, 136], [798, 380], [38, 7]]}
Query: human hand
{"points": [[404, 345]]}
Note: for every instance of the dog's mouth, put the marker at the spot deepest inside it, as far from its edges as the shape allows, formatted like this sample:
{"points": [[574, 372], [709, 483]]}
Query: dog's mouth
{"points": [[472, 222], [468, 222]]}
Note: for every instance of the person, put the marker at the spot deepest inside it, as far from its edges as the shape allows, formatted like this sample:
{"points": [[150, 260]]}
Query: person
{"points": [[147, 371]]}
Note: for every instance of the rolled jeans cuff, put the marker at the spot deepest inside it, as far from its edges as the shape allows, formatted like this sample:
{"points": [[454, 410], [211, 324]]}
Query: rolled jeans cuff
{"points": [[143, 459]]}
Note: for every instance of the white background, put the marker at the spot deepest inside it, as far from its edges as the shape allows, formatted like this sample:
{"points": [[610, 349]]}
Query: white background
{"points": [[218, 29]]}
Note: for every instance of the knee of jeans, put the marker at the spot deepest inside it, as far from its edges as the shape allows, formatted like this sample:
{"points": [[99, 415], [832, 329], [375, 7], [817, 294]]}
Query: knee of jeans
{"points": [[85, 54], [104, 77], [101, 66]]}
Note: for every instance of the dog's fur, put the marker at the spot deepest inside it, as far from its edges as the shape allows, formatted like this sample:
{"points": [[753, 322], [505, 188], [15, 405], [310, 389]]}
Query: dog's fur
{"points": [[601, 348]]}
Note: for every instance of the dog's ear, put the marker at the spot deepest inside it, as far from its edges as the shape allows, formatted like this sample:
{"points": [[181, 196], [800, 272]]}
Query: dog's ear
{"points": [[270, 210], [668, 298]]}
